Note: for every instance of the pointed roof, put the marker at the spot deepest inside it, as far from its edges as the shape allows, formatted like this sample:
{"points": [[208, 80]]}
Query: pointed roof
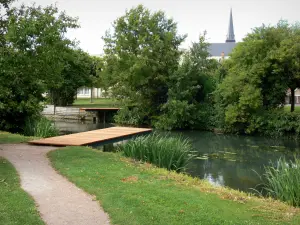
{"points": [[230, 34]]}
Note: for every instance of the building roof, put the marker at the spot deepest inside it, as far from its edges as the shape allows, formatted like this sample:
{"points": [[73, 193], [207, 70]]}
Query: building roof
{"points": [[216, 49]]}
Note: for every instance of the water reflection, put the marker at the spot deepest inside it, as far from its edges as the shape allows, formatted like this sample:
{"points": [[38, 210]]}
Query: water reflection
{"points": [[226, 160], [230, 160]]}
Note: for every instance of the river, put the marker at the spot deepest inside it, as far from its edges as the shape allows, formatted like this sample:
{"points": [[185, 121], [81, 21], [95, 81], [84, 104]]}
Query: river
{"points": [[225, 160]]}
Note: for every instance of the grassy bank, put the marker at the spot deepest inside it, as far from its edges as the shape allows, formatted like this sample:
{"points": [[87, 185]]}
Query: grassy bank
{"points": [[6, 138], [287, 108], [97, 103], [16, 206], [134, 193]]}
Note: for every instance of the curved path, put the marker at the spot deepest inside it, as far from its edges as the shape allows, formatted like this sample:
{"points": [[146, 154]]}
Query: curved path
{"points": [[59, 201]]}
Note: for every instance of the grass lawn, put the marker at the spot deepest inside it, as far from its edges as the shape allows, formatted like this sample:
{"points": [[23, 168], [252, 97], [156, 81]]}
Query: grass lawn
{"points": [[287, 108], [6, 138], [16, 206], [134, 193], [97, 103]]}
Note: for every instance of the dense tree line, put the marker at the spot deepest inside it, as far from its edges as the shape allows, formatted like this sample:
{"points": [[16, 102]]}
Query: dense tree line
{"points": [[161, 86], [157, 83], [36, 58]]}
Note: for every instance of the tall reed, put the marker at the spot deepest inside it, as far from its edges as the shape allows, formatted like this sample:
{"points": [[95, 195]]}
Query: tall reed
{"points": [[172, 153], [40, 127], [283, 181]]}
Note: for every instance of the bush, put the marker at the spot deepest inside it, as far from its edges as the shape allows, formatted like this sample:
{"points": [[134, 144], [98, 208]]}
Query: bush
{"points": [[172, 153], [40, 127], [275, 123], [282, 181]]}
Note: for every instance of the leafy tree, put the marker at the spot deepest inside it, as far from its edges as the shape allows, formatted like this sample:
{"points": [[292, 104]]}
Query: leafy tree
{"points": [[287, 57], [255, 80], [77, 72], [34, 42], [141, 56], [190, 88]]}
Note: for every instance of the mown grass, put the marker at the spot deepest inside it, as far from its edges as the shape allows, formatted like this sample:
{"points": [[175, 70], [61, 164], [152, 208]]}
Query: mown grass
{"points": [[135, 193], [172, 153], [287, 108], [16, 206], [97, 103], [283, 181], [10, 138], [40, 127]]}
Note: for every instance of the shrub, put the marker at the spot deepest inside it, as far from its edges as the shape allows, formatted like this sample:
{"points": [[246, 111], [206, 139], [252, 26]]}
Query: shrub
{"points": [[40, 127], [275, 123], [172, 153], [282, 182]]}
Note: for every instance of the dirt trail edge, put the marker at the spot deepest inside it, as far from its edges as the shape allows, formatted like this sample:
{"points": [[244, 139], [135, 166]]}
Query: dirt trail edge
{"points": [[59, 201]]}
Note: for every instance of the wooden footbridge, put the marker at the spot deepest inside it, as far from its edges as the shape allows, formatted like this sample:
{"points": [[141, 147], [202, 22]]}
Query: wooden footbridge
{"points": [[94, 137]]}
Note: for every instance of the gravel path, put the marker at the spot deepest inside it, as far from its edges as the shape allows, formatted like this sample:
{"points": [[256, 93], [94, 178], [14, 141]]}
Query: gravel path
{"points": [[59, 201]]}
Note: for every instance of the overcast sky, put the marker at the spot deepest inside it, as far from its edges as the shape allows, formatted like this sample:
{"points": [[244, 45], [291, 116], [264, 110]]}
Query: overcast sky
{"points": [[192, 16]]}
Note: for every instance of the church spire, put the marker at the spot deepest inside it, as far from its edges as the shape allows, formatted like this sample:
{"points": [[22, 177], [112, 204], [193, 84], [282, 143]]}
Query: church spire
{"points": [[230, 34]]}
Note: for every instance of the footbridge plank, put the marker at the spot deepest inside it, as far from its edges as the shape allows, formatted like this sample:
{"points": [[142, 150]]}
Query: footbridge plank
{"points": [[94, 137]]}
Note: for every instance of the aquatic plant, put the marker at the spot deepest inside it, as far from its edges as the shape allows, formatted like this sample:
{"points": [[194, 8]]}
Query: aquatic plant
{"points": [[40, 127], [172, 153], [283, 181]]}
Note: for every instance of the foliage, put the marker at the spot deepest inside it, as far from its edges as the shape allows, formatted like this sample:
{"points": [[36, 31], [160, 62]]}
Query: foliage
{"points": [[141, 56], [282, 181], [30, 61], [78, 71], [17, 206], [143, 194], [189, 102], [275, 123], [253, 82], [40, 127], [172, 153]]}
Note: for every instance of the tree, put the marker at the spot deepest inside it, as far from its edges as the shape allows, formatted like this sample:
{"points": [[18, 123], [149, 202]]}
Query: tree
{"points": [[77, 72], [256, 79], [141, 55], [189, 90], [31, 63], [288, 62]]}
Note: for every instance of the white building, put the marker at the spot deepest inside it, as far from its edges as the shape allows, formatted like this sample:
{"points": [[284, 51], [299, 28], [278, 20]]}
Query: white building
{"points": [[85, 92]]}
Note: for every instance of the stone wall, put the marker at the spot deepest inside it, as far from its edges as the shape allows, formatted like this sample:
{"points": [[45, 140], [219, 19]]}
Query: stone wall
{"points": [[69, 113]]}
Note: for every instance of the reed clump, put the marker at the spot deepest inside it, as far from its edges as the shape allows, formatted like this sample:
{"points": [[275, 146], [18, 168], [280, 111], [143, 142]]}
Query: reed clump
{"points": [[172, 153]]}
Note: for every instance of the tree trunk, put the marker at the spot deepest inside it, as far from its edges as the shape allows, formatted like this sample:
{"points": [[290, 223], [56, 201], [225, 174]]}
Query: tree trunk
{"points": [[292, 100], [91, 94]]}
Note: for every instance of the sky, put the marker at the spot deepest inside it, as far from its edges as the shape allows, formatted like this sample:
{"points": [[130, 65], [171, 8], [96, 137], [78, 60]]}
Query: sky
{"points": [[192, 16]]}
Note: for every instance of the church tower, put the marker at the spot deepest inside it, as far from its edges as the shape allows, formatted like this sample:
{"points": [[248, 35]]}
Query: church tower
{"points": [[230, 34]]}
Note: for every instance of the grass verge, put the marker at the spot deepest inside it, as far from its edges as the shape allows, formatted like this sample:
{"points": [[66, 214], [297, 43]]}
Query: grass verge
{"points": [[134, 193], [10, 138], [97, 103], [16, 206], [287, 108]]}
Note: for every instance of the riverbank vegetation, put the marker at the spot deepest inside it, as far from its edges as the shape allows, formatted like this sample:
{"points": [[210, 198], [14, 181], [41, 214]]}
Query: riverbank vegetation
{"points": [[143, 194], [16, 207], [46, 64], [282, 181], [40, 127], [244, 94], [172, 153]]}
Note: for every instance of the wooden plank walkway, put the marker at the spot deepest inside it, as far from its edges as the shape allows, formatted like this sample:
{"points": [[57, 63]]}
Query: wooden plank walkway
{"points": [[94, 137]]}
